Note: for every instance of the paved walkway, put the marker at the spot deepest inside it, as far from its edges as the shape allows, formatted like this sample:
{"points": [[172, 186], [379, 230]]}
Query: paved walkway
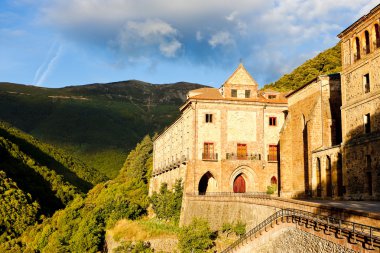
{"points": [[366, 206]]}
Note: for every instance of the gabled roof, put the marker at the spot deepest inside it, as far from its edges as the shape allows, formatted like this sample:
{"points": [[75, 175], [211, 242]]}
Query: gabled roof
{"points": [[240, 76]]}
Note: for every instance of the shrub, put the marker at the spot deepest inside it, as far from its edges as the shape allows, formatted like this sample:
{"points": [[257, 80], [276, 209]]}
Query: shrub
{"points": [[271, 189], [239, 228], [195, 237]]}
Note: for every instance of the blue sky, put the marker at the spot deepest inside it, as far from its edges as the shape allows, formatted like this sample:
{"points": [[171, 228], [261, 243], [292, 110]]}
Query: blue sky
{"points": [[56, 43]]}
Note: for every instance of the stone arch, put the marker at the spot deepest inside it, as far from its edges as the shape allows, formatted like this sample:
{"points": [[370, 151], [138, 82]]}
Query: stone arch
{"points": [[248, 175], [207, 183]]}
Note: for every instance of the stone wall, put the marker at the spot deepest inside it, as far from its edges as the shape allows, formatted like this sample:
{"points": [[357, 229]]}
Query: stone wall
{"points": [[291, 240], [218, 212], [361, 165], [313, 123]]}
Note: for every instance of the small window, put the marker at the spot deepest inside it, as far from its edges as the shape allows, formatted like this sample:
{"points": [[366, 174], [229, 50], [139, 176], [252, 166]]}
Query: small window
{"points": [[272, 96], [208, 118], [366, 83], [367, 123], [247, 93], [272, 121], [368, 162], [377, 35], [233, 93]]}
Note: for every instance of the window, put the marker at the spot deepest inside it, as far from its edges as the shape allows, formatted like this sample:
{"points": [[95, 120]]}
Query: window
{"points": [[377, 33], [366, 83], [367, 123], [208, 118], [273, 180], [247, 93], [367, 43], [208, 151], [272, 96], [357, 55], [272, 156], [272, 121], [233, 93], [241, 151]]}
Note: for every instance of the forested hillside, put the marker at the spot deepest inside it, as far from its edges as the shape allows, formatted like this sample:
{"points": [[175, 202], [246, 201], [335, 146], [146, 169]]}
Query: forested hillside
{"points": [[36, 179], [97, 123], [327, 62], [81, 226]]}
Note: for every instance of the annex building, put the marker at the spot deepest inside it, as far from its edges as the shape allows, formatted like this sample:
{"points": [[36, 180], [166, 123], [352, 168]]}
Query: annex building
{"points": [[226, 139]]}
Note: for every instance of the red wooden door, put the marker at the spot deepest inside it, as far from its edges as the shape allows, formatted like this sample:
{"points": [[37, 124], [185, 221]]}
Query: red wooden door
{"points": [[239, 184]]}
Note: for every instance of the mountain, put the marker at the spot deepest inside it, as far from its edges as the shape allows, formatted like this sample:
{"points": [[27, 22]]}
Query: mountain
{"points": [[97, 123], [327, 62]]}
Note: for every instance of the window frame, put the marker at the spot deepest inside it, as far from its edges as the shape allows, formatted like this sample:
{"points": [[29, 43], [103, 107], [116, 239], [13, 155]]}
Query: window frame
{"points": [[208, 118], [271, 155], [271, 118], [247, 93], [366, 83], [234, 92]]}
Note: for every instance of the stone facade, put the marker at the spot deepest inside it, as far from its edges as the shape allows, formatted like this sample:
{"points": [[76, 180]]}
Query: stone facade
{"points": [[361, 107], [224, 141], [312, 126]]}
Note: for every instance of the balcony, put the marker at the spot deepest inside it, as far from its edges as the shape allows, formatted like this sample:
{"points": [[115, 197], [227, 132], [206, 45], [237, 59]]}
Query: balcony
{"points": [[210, 156], [272, 158], [232, 156], [174, 164]]}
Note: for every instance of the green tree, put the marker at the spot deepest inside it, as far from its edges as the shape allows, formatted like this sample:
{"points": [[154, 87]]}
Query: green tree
{"points": [[195, 237]]}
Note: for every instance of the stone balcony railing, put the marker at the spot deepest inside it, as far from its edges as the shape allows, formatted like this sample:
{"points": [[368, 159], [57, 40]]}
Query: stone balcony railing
{"points": [[233, 156], [210, 156], [170, 166]]}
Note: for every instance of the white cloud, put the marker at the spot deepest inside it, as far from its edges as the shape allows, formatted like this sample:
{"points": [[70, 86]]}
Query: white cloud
{"points": [[151, 29], [221, 39]]}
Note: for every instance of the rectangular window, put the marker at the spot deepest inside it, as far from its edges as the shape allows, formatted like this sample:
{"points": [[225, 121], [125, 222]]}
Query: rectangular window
{"points": [[247, 93], [272, 96], [242, 151], [368, 162], [272, 121], [272, 156], [367, 123], [208, 118], [233, 93], [208, 151], [366, 83]]}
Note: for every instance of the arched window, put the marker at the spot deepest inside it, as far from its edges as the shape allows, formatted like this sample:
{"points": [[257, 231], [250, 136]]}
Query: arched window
{"points": [[357, 44], [377, 35], [367, 43], [273, 180]]}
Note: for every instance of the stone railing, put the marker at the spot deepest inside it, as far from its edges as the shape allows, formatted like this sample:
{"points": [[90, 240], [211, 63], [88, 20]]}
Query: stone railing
{"points": [[233, 156], [170, 166], [367, 236]]}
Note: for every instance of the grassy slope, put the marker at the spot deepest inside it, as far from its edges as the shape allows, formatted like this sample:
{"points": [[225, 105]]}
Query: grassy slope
{"points": [[97, 123], [327, 62]]}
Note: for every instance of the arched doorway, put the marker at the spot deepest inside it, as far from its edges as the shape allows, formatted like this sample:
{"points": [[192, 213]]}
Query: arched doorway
{"points": [[239, 184], [273, 180], [207, 184], [340, 175]]}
